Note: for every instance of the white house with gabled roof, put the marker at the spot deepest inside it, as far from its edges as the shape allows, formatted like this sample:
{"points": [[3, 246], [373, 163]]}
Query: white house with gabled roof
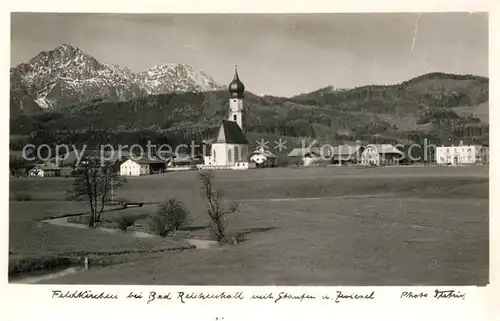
{"points": [[381, 154], [462, 154], [263, 158], [142, 166]]}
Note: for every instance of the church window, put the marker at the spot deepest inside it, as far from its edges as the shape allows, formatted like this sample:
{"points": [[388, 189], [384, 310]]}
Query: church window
{"points": [[229, 156], [237, 153], [234, 117], [214, 155]]}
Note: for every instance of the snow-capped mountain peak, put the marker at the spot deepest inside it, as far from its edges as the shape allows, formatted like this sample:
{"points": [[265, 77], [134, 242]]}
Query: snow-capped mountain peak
{"points": [[66, 75], [173, 77]]}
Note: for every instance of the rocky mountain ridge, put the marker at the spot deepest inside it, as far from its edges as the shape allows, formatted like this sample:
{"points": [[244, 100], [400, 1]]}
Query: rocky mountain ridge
{"points": [[66, 76]]}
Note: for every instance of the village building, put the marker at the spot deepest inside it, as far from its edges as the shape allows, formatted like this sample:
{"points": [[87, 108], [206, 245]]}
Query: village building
{"points": [[45, 170], [142, 166], [263, 158], [184, 162], [180, 160], [306, 156], [462, 154], [346, 154], [381, 154], [67, 171], [229, 150]]}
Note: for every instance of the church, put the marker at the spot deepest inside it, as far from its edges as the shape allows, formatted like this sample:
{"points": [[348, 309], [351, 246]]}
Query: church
{"points": [[229, 149]]}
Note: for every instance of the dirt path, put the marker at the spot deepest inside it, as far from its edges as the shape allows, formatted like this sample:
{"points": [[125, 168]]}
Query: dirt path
{"points": [[377, 196], [199, 244], [292, 199]]}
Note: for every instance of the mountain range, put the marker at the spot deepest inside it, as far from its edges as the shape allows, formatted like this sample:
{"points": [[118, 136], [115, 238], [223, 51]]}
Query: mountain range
{"points": [[66, 76], [66, 91]]}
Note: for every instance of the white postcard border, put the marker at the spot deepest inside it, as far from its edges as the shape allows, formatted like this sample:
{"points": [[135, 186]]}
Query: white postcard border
{"points": [[35, 302]]}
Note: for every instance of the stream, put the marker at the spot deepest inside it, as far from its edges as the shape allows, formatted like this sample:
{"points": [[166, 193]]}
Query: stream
{"points": [[38, 276]]}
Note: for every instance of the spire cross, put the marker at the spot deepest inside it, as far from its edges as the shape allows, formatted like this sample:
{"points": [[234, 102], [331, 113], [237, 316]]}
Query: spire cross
{"points": [[236, 71]]}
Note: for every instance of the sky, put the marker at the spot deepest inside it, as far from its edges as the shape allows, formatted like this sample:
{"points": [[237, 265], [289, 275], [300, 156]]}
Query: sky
{"points": [[279, 54]]}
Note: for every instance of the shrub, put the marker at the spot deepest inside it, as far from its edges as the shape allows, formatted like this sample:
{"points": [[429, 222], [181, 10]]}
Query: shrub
{"points": [[23, 197], [156, 224], [175, 214], [171, 216], [125, 221], [235, 239], [285, 161]]}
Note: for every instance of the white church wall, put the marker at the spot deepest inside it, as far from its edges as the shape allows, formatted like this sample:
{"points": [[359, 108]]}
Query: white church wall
{"points": [[227, 154], [240, 152], [219, 154]]}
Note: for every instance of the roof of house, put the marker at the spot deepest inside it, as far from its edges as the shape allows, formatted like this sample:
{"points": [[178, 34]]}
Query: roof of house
{"points": [[73, 156], [47, 167], [345, 149], [384, 149], [301, 152], [231, 133], [147, 160], [182, 158], [265, 153]]}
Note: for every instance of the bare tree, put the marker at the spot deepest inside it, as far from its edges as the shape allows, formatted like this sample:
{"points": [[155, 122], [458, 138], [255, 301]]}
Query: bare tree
{"points": [[217, 210], [94, 183]]}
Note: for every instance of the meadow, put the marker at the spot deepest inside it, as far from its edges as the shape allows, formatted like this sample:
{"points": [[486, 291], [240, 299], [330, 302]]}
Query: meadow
{"points": [[317, 226]]}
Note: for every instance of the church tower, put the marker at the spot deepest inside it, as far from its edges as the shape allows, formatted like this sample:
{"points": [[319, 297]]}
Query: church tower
{"points": [[236, 110]]}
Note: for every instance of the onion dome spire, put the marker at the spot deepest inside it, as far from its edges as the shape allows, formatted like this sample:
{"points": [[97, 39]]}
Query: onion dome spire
{"points": [[236, 87]]}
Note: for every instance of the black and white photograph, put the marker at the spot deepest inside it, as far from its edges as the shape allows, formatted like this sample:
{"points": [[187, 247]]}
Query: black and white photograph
{"points": [[238, 149]]}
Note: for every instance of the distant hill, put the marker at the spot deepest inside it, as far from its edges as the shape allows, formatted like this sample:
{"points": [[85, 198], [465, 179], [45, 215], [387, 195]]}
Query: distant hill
{"points": [[435, 105]]}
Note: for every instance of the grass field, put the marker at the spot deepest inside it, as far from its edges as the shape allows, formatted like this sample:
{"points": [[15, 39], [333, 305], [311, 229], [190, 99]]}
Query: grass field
{"points": [[34, 244], [318, 226]]}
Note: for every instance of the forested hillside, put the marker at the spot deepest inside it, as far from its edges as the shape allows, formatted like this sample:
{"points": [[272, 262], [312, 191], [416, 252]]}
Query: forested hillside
{"points": [[438, 106]]}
